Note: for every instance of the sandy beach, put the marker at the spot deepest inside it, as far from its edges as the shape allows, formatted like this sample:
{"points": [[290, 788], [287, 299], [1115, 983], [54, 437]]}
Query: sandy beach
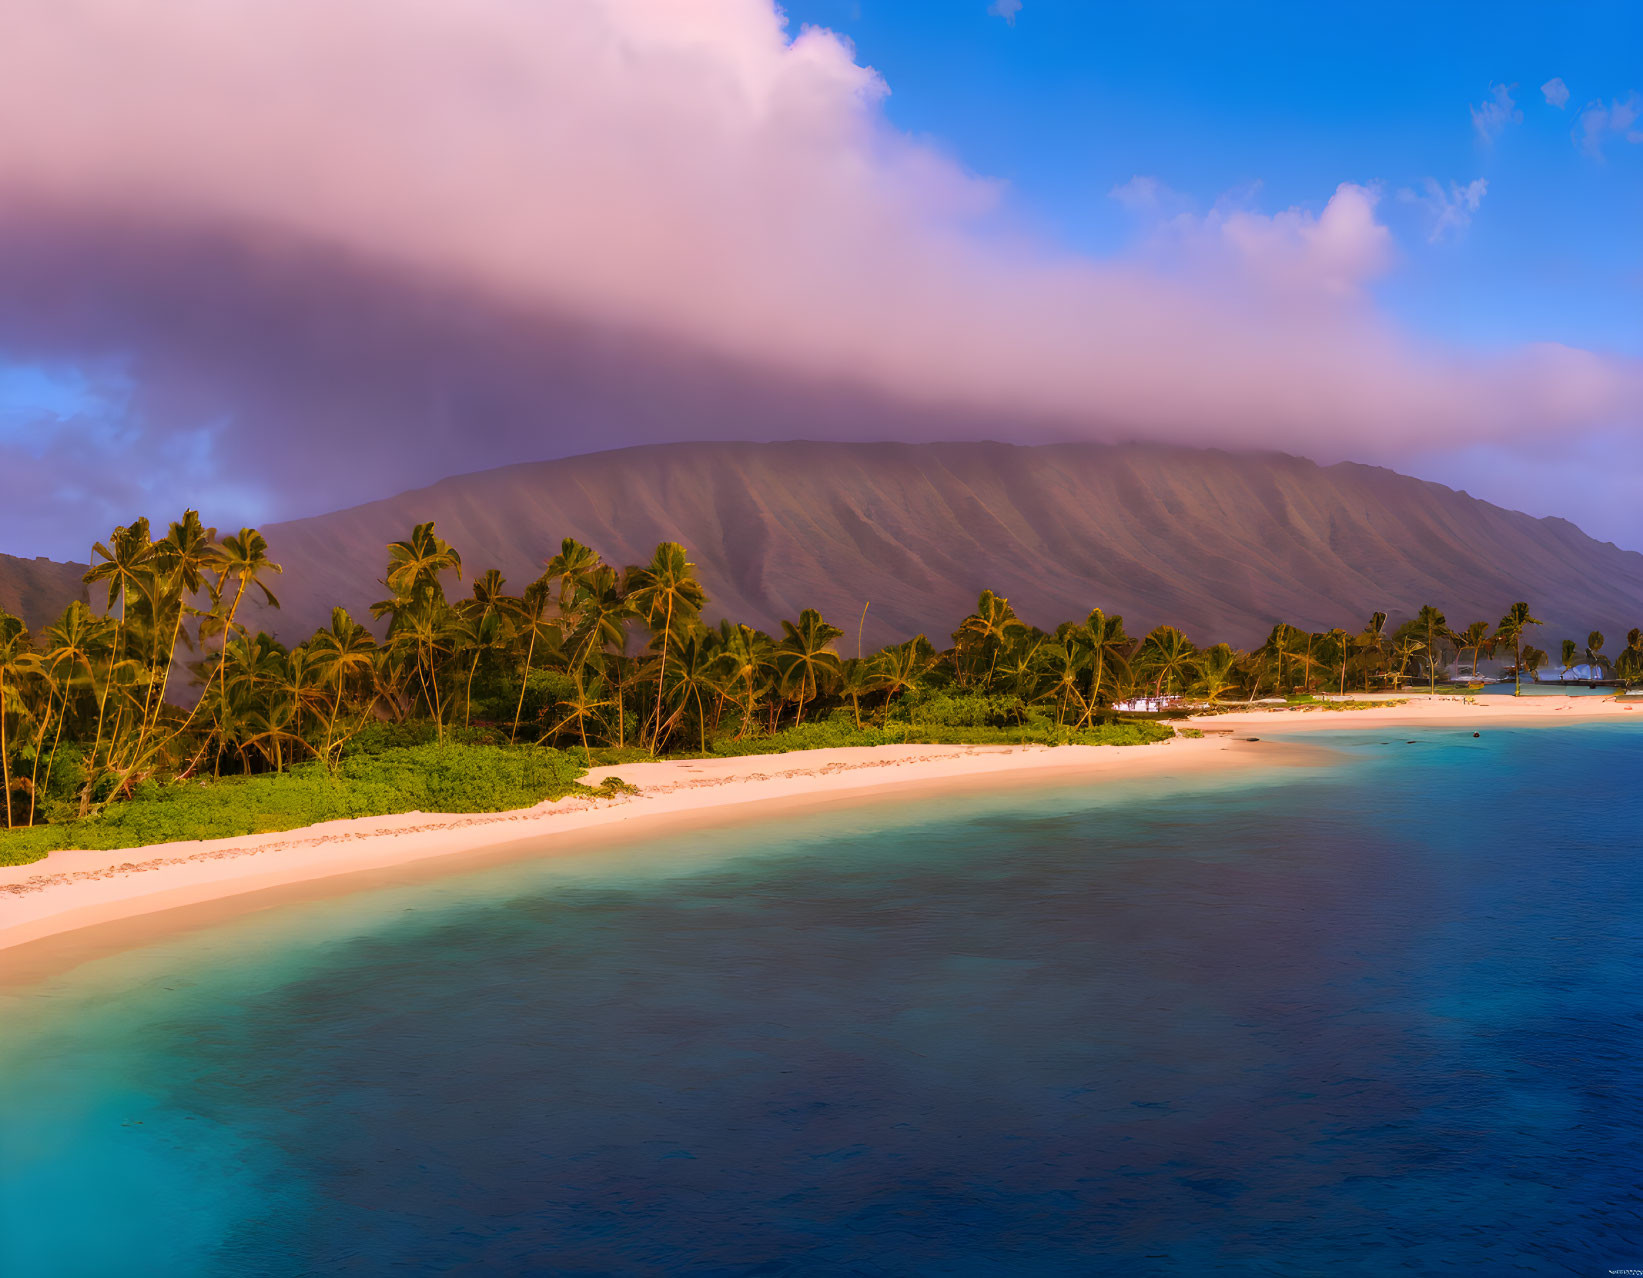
{"points": [[1418, 709], [72, 891]]}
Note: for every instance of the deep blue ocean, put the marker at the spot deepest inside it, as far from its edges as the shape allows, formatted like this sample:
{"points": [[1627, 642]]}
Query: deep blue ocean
{"points": [[1375, 1018]]}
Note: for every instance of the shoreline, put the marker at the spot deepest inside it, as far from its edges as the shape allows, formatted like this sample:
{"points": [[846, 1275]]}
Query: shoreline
{"points": [[71, 894], [77, 904]]}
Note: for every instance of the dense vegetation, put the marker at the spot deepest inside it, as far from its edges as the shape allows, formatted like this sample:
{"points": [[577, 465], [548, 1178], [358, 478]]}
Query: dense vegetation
{"points": [[586, 659], [455, 777]]}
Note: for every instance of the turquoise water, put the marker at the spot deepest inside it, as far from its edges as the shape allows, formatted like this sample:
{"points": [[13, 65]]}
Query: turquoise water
{"points": [[1372, 1019]]}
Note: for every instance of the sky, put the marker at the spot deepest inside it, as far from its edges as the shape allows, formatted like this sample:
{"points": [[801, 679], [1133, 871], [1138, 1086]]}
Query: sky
{"points": [[272, 257]]}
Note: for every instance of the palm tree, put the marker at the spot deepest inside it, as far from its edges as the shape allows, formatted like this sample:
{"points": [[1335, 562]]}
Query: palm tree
{"points": [[345, 653], [1435, 627], [479, 631], [127, 563], [1017, 667], [74, 646], [253, 669], [1630, 663], [1571, 655], [1405, 645], [589, 698], [426, 631], [1061, 662], [1476, 640], [1511, 630], [987, 629], [747, 656], [804, 658], [53, 704], [904, 665], [1217, 671], [695, 677], [126, 568], [573, 563], [183, 557], [1340, 644], [666, 588], [1373, 641], [1594, 651], [14, 661], [1308, 659], [1531, 659], [600, 614], [1107, 655], [415, 564], [529, 616], [1168, 655], [858, 678], [1282, 646], [244, 561]]}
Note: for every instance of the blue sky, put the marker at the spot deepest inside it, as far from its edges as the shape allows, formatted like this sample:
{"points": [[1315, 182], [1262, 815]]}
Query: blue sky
{"points": [[1074, 98]]}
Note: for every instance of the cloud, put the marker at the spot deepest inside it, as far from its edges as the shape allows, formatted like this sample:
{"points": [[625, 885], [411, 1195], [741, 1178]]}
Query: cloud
{"points": [[1451, 209], [1145, 195], [1006, 9], [1491, 117], [342, 247], [1294, 254], [1557, 93], [1597, 122]]}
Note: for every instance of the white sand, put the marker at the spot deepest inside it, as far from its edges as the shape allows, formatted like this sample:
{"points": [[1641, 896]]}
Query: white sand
{"points": [[1421, 710], [71, 891]]}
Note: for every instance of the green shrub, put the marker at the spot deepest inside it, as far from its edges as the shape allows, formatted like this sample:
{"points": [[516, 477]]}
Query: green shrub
{"points": [[837, 732], [959, 710], [455, 777]]}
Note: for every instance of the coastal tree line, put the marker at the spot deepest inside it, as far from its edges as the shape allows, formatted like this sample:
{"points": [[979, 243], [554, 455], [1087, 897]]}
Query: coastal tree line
{"points": [[589, 655]]}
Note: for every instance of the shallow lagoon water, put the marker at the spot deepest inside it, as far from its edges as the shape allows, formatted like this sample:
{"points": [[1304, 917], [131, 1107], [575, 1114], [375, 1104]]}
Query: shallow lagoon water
{"points": [[1361, 1019]]}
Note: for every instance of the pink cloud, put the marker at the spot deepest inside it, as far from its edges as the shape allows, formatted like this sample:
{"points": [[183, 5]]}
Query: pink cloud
{"points": [[703, 176]]}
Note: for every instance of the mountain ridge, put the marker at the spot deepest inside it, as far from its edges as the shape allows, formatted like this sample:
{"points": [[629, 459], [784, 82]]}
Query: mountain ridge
{"points": [[38, 589], [1221, 543]]}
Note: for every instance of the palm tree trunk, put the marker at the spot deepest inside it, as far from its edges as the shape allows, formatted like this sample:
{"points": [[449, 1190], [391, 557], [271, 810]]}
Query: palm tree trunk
{"points": [[39, 742], [170, 658], [5, 751], [56, 740], [222, 663], [102, 708], [331, 725], [661, 673], [524, 682], [1097, 669], [439, 701]]}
